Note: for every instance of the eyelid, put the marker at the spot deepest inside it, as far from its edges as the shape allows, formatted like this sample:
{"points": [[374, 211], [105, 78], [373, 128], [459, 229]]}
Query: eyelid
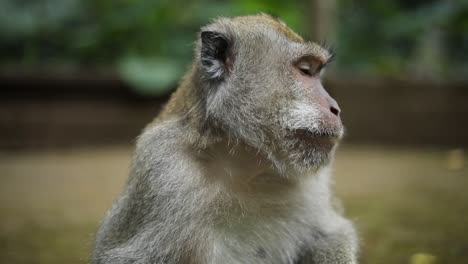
{"points": [[312, 65], [304, 65]]}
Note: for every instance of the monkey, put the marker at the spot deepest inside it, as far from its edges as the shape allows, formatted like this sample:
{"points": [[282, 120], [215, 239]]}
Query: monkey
{"points": [[236, 167]]}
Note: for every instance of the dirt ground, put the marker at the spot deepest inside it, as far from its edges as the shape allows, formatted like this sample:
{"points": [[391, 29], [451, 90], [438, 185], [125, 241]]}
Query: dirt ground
{"points": [[408, 203]]}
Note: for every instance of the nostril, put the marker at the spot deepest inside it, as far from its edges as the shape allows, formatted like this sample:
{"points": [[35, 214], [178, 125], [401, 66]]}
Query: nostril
{"points": [[334, 110]]}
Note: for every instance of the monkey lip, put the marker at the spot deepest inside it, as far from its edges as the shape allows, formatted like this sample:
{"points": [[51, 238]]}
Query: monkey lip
{"points": [[324, 140]]}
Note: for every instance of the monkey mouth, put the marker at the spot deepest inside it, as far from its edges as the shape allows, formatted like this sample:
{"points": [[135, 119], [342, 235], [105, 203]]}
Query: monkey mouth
{"points": [[318, 139]]}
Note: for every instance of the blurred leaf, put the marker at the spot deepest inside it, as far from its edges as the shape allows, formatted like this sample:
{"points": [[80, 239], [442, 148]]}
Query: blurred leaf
{"points": [[423, 258], [155, 76], [456, 159]]}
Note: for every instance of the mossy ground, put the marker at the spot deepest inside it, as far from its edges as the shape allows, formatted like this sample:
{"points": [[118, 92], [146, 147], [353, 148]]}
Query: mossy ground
{"points": [[404, 201]]}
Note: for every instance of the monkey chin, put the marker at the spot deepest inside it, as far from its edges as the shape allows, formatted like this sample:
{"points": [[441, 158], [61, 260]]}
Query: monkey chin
{"points": [[309, 151]]}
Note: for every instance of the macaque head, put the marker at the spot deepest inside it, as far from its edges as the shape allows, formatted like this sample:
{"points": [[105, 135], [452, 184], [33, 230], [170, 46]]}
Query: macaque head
{"points": [[262, 86]]}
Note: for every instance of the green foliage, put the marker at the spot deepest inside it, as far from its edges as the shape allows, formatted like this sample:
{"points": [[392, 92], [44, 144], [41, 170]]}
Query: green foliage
{"points": [[146, 40], [383, 37], [149, 41]]}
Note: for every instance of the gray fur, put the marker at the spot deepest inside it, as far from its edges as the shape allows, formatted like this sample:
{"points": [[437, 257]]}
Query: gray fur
{"points": [[218, 176]]}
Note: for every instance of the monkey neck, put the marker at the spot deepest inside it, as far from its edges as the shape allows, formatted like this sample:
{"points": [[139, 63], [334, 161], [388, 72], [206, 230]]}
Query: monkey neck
{"points": [[187, 104], [185, 100], [243, 171], [248, 189]]}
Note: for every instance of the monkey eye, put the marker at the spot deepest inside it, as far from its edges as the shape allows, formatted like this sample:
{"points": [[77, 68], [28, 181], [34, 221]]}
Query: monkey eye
{"points": [[308, 68]]}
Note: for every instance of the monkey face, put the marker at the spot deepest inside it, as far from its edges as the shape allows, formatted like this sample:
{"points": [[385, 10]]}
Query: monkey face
{"points": [[311, 123], [268, 93]]}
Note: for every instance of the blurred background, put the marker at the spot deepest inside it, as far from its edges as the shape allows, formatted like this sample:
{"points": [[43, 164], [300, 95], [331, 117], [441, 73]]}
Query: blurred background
{"points": [[79, 79]]}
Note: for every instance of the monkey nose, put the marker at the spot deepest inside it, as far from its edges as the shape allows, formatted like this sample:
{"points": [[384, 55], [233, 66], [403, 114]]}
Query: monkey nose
{"points": [[334, 108]]}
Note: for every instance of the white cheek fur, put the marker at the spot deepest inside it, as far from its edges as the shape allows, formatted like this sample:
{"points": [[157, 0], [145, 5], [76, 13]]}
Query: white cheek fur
{"points": [[301, 115]]}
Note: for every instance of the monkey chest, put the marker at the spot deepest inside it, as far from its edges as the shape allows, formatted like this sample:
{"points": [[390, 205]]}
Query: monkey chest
{"points": [[262, 242]]}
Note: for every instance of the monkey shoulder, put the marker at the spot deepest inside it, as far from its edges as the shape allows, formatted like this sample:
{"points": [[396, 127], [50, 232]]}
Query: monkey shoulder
{"points": [[156, 205]]}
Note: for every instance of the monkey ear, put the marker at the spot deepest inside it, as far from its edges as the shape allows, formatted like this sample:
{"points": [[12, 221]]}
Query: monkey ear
{"points": [[215, 60]]}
